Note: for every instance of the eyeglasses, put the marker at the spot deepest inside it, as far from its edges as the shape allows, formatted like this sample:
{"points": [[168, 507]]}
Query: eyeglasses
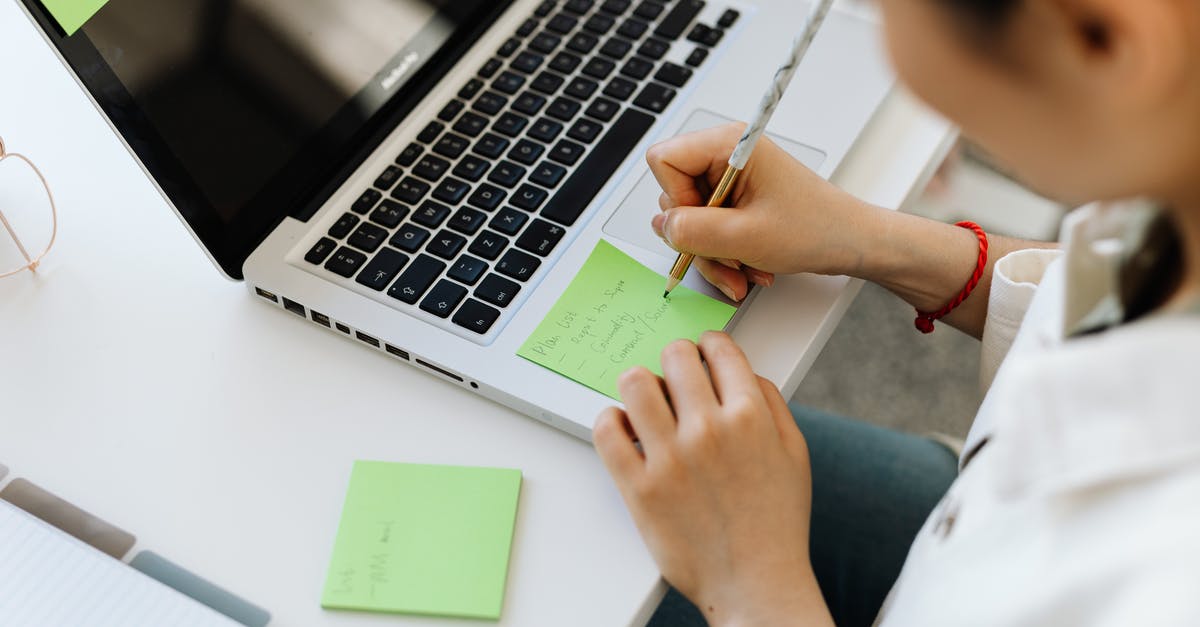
{"points": [[31, 261]]}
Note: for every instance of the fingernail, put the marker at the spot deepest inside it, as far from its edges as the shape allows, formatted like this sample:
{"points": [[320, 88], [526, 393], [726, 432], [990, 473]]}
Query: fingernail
{"points": [[726, 290], [657, 223]]}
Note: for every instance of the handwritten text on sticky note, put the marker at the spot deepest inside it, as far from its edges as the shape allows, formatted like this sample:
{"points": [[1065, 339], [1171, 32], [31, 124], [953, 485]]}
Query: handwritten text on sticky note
{"points": [[613, 317]]}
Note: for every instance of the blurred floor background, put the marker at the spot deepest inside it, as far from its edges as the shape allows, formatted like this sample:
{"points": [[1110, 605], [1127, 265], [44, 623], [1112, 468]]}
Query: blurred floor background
{"points": [[877, 367]]}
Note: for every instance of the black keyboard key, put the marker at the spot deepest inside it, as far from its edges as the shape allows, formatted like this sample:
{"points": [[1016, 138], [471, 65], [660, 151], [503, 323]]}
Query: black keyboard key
{"points": [[545, 130], [620, 88], [409, 155], [616, 48], [603, 109], [509, 47], [451, 191], [487, 197], [599, 24], [563, 109], [431, 214], [579, 6], [615, 7], [547, 83], [672, 74], [446, 244], [714, 37], [529, 103], [585, 130], [583, 43], [544, 8], [637, 68], [527, 62], [443, 298], [704, 35], [367, 237], [527, 27], [544, 43], [409, 237], [526, 152], [490, 146], [541, 237], [467, 220], [452, 109], [382, 269], [467, 269], [410, 190], [510, 124], [673, 25], [562, 23], [566, 152], [476, 316], [649, 10], [518, 265], [451, 145], [416, 278], [470, 89], [633, 29], [508, 83], [529, 198], [324, 246], [488, 245], [497, 290], [603, 159], [389, 213], [343, 226], [697, 57], [471, 124], [471, 168], [654, 48], [728, 18], [387, 178], [431, 168], [366, 201], [506, 174], [345, 262], [597, 67], [490, 103], [565, 62], [508, 221], [655, 97], [430, 132], [489, 69], [548, 174]]}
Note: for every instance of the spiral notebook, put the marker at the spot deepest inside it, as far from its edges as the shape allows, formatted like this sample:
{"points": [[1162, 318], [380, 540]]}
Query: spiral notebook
{"points": [[48, 578]]}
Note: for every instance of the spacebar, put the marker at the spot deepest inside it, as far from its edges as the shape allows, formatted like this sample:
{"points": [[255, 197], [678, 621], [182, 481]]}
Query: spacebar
{"points": [[595, 170]]}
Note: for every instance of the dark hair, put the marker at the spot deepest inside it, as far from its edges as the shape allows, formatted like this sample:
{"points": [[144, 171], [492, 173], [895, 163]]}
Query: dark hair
{"points": [[984, 12]]}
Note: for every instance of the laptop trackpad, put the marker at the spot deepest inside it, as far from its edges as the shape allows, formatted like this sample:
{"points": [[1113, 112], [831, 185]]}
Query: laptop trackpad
{"points": [[631, 221]]}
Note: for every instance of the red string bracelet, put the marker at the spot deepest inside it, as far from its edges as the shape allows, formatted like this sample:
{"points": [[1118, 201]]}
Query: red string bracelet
{"points": [[924, 321]]}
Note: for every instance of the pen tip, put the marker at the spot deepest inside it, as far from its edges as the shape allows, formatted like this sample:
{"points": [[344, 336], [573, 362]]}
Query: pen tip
{"points": [[666, 293]]}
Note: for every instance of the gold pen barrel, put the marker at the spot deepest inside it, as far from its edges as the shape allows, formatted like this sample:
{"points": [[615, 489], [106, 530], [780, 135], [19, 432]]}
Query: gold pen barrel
{"points": [[719, 196]]}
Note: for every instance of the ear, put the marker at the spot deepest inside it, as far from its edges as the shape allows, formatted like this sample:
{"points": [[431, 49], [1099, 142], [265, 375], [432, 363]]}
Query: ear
{"points": [[1134, 52]]}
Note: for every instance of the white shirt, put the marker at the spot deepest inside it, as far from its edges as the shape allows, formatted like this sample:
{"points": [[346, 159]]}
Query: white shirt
{"points": [[1083, 506]]}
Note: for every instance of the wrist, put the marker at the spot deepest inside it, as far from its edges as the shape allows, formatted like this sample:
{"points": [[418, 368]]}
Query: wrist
{"points": [[779, 599]]}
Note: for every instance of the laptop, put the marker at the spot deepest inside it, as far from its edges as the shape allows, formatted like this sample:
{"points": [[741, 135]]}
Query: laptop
{"points": [[425, 177]]}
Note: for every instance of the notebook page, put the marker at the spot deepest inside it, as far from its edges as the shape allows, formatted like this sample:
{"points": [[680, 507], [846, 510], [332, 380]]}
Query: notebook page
{"points": [[48, 578]]}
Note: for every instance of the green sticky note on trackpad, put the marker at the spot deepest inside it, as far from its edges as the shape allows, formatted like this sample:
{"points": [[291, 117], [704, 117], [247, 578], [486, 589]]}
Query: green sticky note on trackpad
{"points": [[423, 539], [71, 14], [613, 316]]}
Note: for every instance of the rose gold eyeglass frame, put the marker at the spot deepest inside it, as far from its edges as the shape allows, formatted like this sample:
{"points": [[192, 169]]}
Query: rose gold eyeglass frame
{"points": [[32, 262]]}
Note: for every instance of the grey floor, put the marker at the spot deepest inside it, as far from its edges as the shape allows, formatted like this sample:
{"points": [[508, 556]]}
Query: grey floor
{"points": [[877, 367]]}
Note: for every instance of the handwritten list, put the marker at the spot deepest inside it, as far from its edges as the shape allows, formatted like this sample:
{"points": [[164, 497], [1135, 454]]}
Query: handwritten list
{"points": [[613, 317]]}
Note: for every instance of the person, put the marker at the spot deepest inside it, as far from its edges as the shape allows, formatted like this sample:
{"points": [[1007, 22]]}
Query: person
{"points": [[1075, 498]]}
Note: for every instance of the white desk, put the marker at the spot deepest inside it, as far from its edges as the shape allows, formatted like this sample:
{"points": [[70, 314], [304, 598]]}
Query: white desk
{"points": [[138, 384]]}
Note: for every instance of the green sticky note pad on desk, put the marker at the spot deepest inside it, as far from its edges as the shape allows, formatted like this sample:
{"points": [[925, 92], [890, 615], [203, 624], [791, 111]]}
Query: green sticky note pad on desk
{"points": [[613, 316], [422, 539], [71, 14]]}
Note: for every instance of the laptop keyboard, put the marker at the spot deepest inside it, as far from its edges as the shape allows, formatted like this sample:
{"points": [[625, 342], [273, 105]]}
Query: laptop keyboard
{"points": [[470, 211]]}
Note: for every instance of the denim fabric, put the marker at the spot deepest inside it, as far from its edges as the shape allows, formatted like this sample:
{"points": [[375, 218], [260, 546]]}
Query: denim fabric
{"points": [[873, 488]]}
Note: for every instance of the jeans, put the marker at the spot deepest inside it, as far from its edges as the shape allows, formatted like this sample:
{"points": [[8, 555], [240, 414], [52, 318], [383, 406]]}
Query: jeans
{"points": [[873, 488]]}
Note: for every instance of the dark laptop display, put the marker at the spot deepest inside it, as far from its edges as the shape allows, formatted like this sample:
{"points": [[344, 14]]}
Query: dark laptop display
{"points": [[246, 111]]}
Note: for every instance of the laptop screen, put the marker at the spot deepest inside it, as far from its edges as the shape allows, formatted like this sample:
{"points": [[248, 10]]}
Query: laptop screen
{"points": [[246, 111]]}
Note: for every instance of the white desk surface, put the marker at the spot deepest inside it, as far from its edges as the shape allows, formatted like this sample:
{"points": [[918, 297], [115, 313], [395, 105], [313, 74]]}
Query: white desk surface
{"points": [[138, 384]]}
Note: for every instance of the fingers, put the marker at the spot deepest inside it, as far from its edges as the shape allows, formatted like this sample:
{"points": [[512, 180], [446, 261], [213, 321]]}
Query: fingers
{"points": [[730, 371], [732, 283], [687, 380], [615, 445], [677, 162], [646, 407], [714, 232], [784, 422]]}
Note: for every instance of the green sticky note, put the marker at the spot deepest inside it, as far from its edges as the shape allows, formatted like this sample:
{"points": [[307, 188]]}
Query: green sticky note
{"points": [[71, 14], [613, 316], [422, 539]]}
